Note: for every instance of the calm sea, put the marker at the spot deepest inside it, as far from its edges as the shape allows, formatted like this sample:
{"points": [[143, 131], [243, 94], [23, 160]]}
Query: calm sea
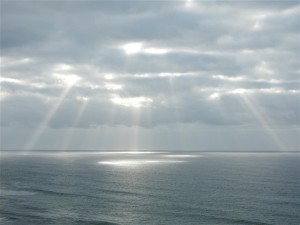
{"points": [[133, 188]]}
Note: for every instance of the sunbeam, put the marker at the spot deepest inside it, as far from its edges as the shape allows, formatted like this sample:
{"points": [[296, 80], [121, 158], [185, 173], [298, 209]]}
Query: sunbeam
{"points": [[70, 132], [38, 132], [174, 98], [135, 138], [69, 83], [258, 113]]}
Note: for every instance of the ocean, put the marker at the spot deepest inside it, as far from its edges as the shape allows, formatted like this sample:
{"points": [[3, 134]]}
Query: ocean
{"points": [[157, 188]]}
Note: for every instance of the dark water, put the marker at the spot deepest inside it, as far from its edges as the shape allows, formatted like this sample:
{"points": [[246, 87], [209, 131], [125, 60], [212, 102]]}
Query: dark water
{"points": [[153, 188]]}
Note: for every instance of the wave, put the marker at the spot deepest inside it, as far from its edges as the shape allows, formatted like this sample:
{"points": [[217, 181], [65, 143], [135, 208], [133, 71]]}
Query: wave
{"points": [[10, 216], [120, 192], [93, 222], [50, 192], [223, 219], [248, 222], [4, 192], [15, 218], [23, 192]]}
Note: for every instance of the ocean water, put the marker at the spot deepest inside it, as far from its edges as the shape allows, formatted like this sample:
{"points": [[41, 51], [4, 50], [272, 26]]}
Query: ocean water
{"points": [[135, 188]]}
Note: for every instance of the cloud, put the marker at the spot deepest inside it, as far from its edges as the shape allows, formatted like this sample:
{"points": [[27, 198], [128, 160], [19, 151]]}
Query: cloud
{"points": [[149, 64]]}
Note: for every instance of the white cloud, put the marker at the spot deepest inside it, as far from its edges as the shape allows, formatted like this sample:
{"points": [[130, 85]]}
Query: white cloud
{"points": [[111, 86], [156, 51], [135, 102], [132, 48]]}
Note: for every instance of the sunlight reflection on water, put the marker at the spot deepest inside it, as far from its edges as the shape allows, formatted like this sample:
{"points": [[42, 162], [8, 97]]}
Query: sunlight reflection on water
{"points": [[182, 156], [137, 162]]}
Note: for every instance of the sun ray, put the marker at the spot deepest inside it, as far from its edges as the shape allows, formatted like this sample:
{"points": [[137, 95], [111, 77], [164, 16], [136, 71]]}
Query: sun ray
{"points": [[258, 113], [174, 98], [135, 138], [105, 128], [43, 125], [66, 142]]}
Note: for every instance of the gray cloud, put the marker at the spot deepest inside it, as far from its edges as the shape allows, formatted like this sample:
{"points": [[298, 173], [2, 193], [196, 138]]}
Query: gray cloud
{"points": [[220, 64]]}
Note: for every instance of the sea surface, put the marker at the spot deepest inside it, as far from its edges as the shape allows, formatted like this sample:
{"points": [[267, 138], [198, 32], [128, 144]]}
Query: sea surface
{"points": [[157, 188]]}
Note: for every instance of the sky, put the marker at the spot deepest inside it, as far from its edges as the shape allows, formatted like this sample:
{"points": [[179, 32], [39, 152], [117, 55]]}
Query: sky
{"points": [[150, 75]]}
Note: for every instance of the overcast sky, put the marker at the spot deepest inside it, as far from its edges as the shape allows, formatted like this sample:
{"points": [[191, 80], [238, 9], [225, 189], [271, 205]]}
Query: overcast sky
{"points": [[150, 75]]}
